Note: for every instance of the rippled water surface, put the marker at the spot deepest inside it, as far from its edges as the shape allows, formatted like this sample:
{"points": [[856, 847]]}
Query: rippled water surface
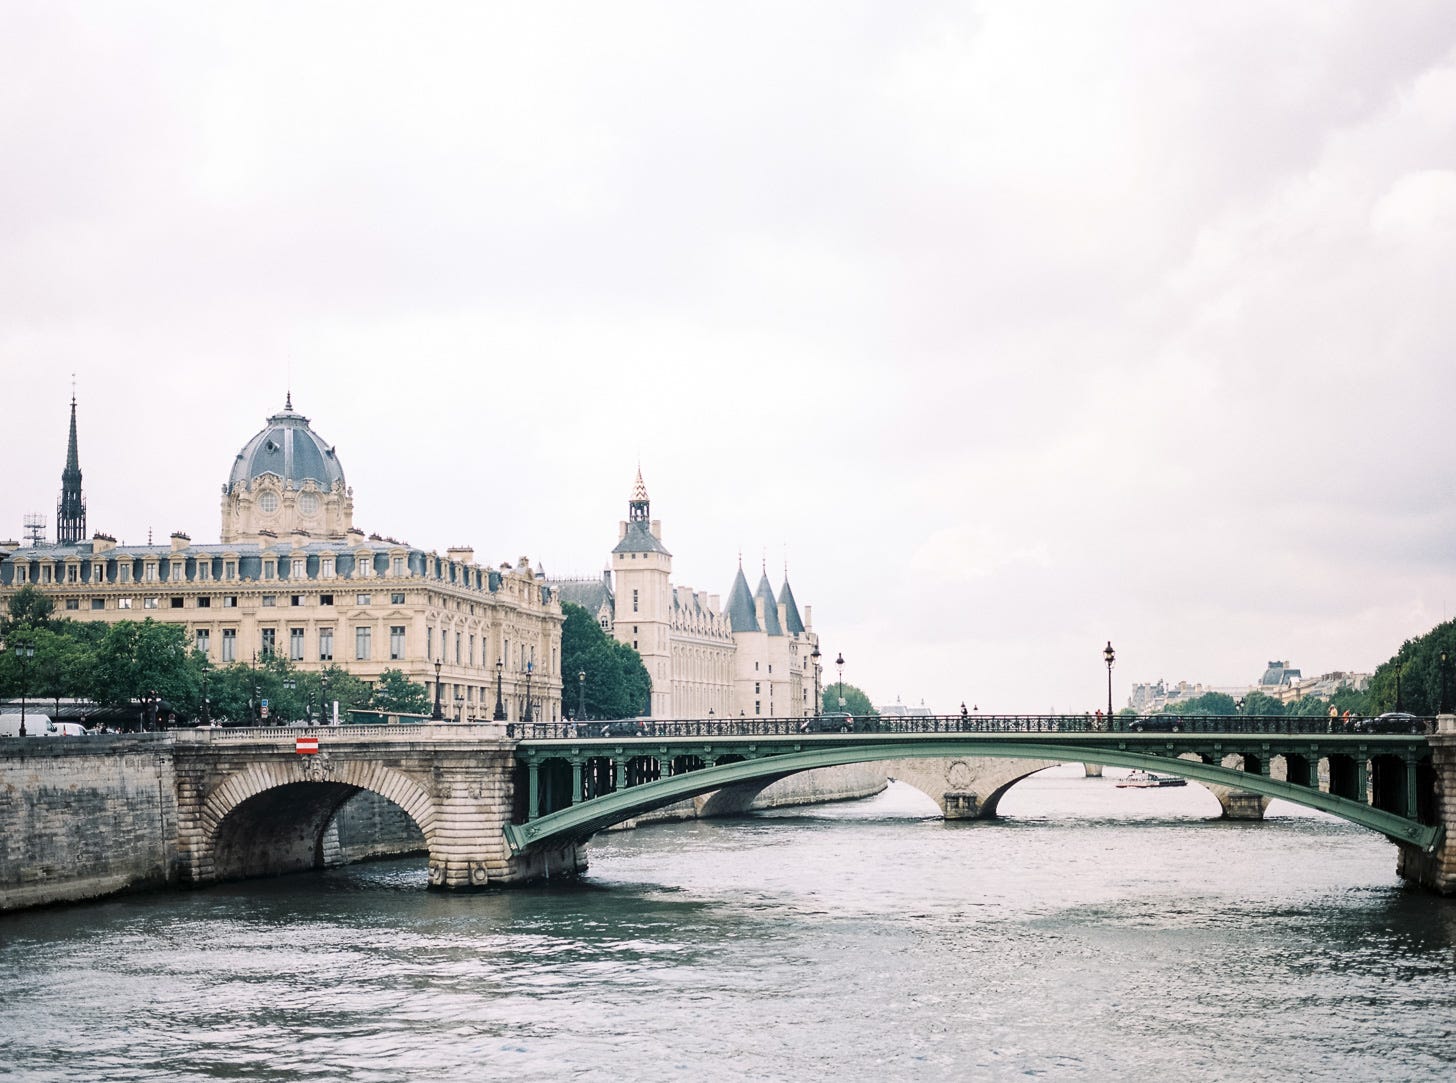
{"points": [[1093, 933]]}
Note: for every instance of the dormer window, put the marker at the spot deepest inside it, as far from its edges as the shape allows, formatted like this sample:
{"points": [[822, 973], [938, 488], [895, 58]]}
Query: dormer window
{"points": [[268, 503], [326, 567]]}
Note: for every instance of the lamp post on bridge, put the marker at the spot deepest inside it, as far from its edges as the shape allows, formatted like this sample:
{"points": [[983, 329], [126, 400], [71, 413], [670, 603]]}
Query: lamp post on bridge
{"points": [[528, 715], [839, 662], [814, 657], [435, 715], [581, 695], [500, 707], [459, 707], [24, 652], [1111, 656]]}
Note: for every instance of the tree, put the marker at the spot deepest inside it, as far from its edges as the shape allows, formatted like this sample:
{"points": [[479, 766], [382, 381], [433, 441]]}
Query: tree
{"points": [[1214, 703], [855, 701], [27, 608], [1261, 704], [396, 693], [617, 683], [1411, 680]]}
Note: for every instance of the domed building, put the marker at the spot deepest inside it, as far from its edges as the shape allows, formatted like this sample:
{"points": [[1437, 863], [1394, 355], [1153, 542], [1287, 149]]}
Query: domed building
{"points": [[293, 576]]}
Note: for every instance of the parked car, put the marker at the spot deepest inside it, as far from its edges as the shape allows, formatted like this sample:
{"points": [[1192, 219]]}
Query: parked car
{"points": [[1390, 722], [1156, 724], [834, 722], [622, 727]]}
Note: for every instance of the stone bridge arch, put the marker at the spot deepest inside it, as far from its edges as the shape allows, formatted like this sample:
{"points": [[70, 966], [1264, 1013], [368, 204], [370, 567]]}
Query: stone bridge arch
{"points": [[269, 817]]}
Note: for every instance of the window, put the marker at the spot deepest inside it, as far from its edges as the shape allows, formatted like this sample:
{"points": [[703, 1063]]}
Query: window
{"points": [[308, 503], [230, 569], [269, 641], [326, 644], [296, 569], [229, 601], [756, 689], [268, 569], [472, 650], [326, 567], [204, 570], [326, 599], [268, 502], [98, 603], [429, 643], [270, 599], [361, 644], [177, 573], [756, 708], [634, 600], [73, 603], [149, 572], [296, 599], [202, 639], [457, 648], [397, 598], [123, 573], [73, 573], [396, 566], [396, 642], [150, 603], [295, 644], [176, 603], [363, 599], [229, 645], [22, 573], [364, 566]]}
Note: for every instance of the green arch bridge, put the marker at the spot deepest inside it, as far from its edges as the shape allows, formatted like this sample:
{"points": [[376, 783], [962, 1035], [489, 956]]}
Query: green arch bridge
{"points": [[573, 781]]}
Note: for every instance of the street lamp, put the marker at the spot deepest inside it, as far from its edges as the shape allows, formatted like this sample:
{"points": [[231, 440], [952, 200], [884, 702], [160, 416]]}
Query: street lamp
{"points": [[500, 707], [24, 652], [289, 684], [151, 699], [206, 702], [528, 715], [459, 707], [1110, 656], [839, 662], [814, 657], [581, 695], [436, 716], [324, 697]]}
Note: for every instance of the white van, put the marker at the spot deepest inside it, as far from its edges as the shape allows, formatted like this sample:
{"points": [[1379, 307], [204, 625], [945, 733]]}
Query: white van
{"points": [[36, 724], [64, 729]]}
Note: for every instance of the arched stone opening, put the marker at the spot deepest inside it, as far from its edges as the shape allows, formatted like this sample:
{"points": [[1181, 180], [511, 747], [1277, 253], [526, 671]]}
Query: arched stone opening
{"points": [[277, 831]]}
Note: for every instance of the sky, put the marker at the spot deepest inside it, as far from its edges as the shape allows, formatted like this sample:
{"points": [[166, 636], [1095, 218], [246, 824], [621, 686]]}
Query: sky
{"points": [[1009, 329]]}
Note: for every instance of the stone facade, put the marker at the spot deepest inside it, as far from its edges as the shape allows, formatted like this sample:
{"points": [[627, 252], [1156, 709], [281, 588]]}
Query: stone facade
{"points": [[1437, 871], [293, 576], [756, 657]]}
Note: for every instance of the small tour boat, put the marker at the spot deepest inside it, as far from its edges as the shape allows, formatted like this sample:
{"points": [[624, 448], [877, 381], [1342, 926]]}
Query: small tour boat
{"points": [[1145, 780]]}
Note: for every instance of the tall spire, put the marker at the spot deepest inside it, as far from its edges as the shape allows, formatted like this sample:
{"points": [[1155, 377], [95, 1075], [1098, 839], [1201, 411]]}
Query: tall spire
{"points": [[71, 508], [639, 508]]}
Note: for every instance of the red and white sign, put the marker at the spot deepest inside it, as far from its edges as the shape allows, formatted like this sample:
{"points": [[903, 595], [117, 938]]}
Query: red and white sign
{"points": [[305, 746]]}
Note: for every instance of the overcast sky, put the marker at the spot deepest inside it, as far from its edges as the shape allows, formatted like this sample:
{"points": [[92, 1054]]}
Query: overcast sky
{"points": [[1012, 328]]}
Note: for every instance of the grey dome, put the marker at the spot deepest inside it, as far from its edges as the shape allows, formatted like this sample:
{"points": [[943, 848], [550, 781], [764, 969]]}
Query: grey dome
{"points": [[288, 448]]}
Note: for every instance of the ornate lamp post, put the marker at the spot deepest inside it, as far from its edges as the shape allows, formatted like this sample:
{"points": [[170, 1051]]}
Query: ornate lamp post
{"points": [[814, 657], [151, 699], [206, 702], [839, 662], [528, 715], [24, 652], [1110, 656], [500, 706], [581, 695], [436, 716], [324, 697], [459, 707]]}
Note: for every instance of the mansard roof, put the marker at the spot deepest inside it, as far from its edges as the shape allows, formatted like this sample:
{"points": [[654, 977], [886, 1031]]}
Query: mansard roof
{"points": [[591, 594], [741, 617], [771, 623], [795, 625]]}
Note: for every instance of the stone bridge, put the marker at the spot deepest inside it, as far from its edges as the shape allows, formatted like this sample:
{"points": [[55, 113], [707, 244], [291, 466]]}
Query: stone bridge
{"points": [[501, 805]]}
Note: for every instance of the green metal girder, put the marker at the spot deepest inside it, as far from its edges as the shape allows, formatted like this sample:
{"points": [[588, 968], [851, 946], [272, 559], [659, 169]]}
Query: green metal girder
{"points": [[768, 758]]}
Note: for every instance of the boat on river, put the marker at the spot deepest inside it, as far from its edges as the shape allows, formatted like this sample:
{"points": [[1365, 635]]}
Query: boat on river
{"points": [[1146, 780]]}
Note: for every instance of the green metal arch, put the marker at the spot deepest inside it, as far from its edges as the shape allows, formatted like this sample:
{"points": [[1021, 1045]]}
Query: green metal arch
{"points": [[582, 820]]}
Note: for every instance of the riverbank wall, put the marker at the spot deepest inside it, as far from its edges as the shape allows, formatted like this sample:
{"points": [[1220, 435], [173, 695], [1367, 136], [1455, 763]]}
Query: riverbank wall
{"points": [[76, 827]]}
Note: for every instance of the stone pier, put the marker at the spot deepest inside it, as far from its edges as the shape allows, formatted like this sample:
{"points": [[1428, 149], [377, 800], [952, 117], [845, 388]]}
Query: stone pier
{"points": [[1436, 871]]}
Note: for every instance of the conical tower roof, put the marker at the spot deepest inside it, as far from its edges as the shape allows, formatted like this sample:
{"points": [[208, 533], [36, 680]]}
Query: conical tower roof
{"points": [[771, 623], [795, 624], [741, 617]]}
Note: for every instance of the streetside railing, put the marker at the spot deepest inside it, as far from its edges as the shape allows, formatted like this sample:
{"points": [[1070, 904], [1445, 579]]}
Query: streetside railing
{"points": [[955, 723]]}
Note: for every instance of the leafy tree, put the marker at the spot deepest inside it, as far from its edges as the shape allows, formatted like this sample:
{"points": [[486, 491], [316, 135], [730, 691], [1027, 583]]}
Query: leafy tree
{"points": [[855, 701], [1411, 680], [1261, 704], [396, 692], [27, 608], [617, 683], [1214, 703], [1346, 698], [136, 658]]}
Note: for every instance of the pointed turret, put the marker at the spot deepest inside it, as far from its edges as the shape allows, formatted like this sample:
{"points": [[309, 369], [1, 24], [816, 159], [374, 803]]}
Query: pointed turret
{"points": [[794, 624], [71, 508], [765, 595], [739, 610]]}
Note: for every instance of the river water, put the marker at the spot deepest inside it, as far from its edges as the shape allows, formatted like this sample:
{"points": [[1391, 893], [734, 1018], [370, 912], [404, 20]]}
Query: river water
{"points": [[1093, 933]]}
